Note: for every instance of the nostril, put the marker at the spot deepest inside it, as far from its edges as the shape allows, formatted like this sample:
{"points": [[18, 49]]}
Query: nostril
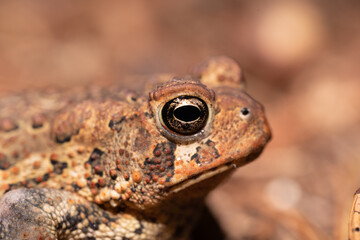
{"points": [[245, 111]]}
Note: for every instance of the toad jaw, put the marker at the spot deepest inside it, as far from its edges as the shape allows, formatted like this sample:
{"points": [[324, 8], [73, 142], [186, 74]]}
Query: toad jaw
{"points": [[190, 172]]}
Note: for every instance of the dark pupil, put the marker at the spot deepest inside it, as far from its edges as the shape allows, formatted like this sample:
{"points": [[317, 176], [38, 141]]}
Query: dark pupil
{"points": [[187, 113]]}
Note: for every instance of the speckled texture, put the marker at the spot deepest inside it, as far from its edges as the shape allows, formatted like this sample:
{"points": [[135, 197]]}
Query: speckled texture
{"points": [[99, 163]]}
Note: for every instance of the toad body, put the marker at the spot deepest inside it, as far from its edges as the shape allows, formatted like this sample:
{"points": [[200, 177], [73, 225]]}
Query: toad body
{"points": [[103, 163]]}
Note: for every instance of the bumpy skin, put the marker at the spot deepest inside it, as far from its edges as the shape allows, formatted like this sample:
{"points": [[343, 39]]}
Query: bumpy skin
{"points": [[99, 163]]}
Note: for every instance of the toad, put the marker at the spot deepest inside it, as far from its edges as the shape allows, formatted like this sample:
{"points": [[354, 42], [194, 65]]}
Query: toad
{"points": [[104, 163]]}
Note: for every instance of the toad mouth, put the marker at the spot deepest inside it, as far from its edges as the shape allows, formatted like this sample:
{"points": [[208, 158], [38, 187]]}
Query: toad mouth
{"points": [[197, 178]]}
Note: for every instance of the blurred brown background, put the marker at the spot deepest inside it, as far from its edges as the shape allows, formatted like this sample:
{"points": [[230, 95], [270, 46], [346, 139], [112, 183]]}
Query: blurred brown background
{"points": [[301, 60]]}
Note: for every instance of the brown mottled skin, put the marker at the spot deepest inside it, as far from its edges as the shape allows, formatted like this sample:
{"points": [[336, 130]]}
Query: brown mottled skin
{"points": [[102, 163]]}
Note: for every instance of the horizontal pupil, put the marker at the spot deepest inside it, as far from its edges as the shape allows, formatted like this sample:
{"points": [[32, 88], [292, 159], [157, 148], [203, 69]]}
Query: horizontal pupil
{"points": [[187, 113]]}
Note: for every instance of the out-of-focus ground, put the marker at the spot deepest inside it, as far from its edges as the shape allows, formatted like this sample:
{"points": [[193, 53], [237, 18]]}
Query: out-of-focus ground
{"points": [[301, 60]]}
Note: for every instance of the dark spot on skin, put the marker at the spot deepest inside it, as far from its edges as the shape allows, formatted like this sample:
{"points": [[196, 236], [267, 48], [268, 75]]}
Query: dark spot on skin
{"points": [[94, 225], [58, 166], [140, 229], [60, 225], [113, 174], [357, 229], [38, 121], [206, 155], [36, 126], [46, 177], [217, 111], [73, 221], [162, 162], [64, 134], [195, 156], [115, 125], [4, 163], [217, 155], [209, 143], [149, 115], [75, 187], [70, 221], [111, 124], [93, 185], [95, 161], [96, 154], [62, 139]]}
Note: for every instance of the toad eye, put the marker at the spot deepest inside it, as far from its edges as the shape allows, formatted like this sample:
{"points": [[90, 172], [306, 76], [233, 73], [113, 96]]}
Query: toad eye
{"points": [[245, 113], [185, 115]]}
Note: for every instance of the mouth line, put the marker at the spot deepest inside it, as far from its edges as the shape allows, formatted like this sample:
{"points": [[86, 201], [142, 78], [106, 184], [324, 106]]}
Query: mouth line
{"points": [[196, 178]]}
